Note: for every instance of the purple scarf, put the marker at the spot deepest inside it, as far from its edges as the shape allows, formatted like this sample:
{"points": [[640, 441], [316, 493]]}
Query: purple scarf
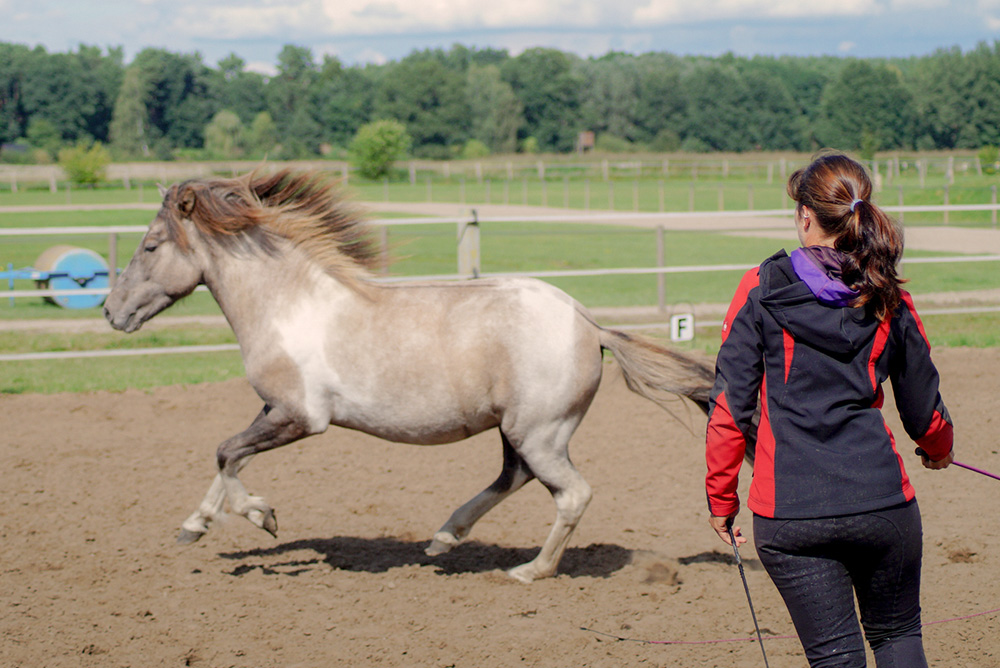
{"points": [[819, 267]]}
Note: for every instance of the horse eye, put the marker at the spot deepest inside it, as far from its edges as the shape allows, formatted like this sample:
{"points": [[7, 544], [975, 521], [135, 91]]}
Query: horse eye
{"points": [[150, 248]]}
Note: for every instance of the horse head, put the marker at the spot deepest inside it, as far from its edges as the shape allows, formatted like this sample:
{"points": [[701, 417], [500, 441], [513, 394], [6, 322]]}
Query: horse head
{"points": [[163, 269]]}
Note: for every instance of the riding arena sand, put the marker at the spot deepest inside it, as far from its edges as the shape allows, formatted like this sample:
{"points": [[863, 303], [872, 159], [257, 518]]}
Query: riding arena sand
{"points": [[97, 484]]}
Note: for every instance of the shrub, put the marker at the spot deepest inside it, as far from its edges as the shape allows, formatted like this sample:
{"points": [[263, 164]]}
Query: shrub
{"points": [[475, 149], [85, 165], [989, 158], [377, 146]]}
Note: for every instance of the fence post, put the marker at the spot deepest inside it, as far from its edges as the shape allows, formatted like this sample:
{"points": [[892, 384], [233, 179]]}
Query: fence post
{"points": [[691, 197], [384, 249], [112, 259], [468, 247], [993, 201], [946, 202], [489, 188], [413, 174], [662, 196], [430, 194], [899, 189], [661, 278]]}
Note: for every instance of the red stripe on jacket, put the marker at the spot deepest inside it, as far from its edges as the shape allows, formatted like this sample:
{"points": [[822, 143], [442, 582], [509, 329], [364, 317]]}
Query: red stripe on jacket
{"points": [[908, 300], [723, 462], [750, 280]]}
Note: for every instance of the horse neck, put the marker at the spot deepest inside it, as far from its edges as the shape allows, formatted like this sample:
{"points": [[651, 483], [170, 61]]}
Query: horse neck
{"points": [[254, 289]]}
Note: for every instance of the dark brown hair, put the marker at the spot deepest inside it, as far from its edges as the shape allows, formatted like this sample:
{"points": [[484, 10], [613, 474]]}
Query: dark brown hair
{"points": [[838, 191]]}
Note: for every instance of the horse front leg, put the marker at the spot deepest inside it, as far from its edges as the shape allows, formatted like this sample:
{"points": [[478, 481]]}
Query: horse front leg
{"points": [[272, 428]]}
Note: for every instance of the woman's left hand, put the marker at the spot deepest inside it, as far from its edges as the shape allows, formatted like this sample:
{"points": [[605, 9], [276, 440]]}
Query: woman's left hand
{"points": [[721, 526]]}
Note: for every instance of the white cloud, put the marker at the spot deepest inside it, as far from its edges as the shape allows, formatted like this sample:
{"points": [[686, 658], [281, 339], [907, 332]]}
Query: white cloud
{"points": [[682, 11], [260, 67], [371, 56], [343, 18], [846, 47]]}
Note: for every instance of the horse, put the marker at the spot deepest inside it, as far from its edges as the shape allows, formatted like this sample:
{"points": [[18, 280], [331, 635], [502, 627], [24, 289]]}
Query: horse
{"points": [[290, 261]]}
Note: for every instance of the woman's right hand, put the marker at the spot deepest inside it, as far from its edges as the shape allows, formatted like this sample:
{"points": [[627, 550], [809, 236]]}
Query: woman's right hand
{"points": [[721, 526]]}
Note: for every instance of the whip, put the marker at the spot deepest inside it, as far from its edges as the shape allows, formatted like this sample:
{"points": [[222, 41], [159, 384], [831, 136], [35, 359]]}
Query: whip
{"points": [[746, 588], [921, 453]]}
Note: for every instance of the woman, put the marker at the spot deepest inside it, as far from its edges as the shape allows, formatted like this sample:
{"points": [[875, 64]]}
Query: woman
{"points": [[809, 338]]}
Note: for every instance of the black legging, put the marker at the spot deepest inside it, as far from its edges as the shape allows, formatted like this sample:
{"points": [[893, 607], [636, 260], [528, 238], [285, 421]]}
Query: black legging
{"points": [[818, 565]]}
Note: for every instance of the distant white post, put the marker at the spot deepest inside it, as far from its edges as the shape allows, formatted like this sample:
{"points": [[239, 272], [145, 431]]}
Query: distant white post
{"points": [[468, 247]]}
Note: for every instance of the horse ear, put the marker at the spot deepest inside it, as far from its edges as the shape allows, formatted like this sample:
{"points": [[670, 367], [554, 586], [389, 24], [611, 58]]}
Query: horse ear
{"points": [[185, 204], [162, 189]]}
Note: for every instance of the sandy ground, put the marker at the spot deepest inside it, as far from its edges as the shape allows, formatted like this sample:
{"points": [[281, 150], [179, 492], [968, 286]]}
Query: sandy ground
{"points": [[96, 486]]}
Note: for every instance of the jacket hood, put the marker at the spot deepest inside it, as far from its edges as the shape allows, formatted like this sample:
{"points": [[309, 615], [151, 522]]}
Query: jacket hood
{"points": [[826, 325]]}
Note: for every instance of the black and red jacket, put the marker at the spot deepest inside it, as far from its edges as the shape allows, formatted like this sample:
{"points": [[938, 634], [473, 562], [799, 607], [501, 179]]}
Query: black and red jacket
{"points": [[822, 445]]}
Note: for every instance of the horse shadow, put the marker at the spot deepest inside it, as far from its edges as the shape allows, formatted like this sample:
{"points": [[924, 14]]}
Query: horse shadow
{"points": [[379, 555]]}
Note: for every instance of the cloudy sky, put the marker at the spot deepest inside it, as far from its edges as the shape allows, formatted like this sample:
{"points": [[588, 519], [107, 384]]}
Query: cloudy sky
{"points": [[361, 31]]}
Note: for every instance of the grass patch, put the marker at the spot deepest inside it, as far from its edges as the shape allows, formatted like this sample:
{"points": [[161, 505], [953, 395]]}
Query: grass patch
{"points": [[117, 374]]}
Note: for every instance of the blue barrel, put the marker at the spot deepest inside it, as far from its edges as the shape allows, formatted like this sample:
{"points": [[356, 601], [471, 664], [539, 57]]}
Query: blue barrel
{"points": [[71, 268]]}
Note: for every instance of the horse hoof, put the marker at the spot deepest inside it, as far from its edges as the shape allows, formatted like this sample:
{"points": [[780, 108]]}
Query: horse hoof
{"points": [[186, 537], [264, 518], [442, 543], [270, 523], [524, 573]]}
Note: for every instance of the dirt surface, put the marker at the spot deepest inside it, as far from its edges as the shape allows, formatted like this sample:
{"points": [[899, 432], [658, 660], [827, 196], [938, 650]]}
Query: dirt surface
{"points": [[96, 486]]}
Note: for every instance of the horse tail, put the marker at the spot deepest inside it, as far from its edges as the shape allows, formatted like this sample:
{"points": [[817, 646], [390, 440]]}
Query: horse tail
{"points": [[657, 372]]}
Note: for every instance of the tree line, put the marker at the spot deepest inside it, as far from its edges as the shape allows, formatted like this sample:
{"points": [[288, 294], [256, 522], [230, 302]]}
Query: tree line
{"points": [[468, 102]]}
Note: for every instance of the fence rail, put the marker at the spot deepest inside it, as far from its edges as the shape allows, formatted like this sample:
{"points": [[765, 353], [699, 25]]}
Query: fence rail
{"points": [[773, 167], [469, 254], [469, 266]]}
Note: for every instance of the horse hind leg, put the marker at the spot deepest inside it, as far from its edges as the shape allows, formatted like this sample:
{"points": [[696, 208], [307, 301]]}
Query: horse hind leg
{"points": [[549, 460], [513, 476]]}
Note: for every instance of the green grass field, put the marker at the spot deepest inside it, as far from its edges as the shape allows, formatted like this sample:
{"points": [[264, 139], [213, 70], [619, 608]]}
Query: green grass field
{"points": [[429, 250]]}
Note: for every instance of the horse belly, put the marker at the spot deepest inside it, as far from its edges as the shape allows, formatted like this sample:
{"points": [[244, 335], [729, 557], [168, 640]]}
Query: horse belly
{"points": [[427, 419]]}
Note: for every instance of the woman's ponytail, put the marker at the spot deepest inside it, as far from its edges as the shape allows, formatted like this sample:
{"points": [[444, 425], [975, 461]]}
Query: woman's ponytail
{"points": [[838, 190]]}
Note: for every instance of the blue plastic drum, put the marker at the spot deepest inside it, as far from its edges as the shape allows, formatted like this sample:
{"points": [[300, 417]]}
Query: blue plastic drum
{"points": [[72, 268]]}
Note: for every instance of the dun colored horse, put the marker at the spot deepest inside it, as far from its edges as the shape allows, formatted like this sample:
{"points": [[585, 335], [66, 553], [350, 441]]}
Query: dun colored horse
{"points": [[286, 258]]}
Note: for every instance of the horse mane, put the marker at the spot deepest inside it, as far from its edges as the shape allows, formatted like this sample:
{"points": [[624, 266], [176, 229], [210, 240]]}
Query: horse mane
{"points": [[305, 207]]}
